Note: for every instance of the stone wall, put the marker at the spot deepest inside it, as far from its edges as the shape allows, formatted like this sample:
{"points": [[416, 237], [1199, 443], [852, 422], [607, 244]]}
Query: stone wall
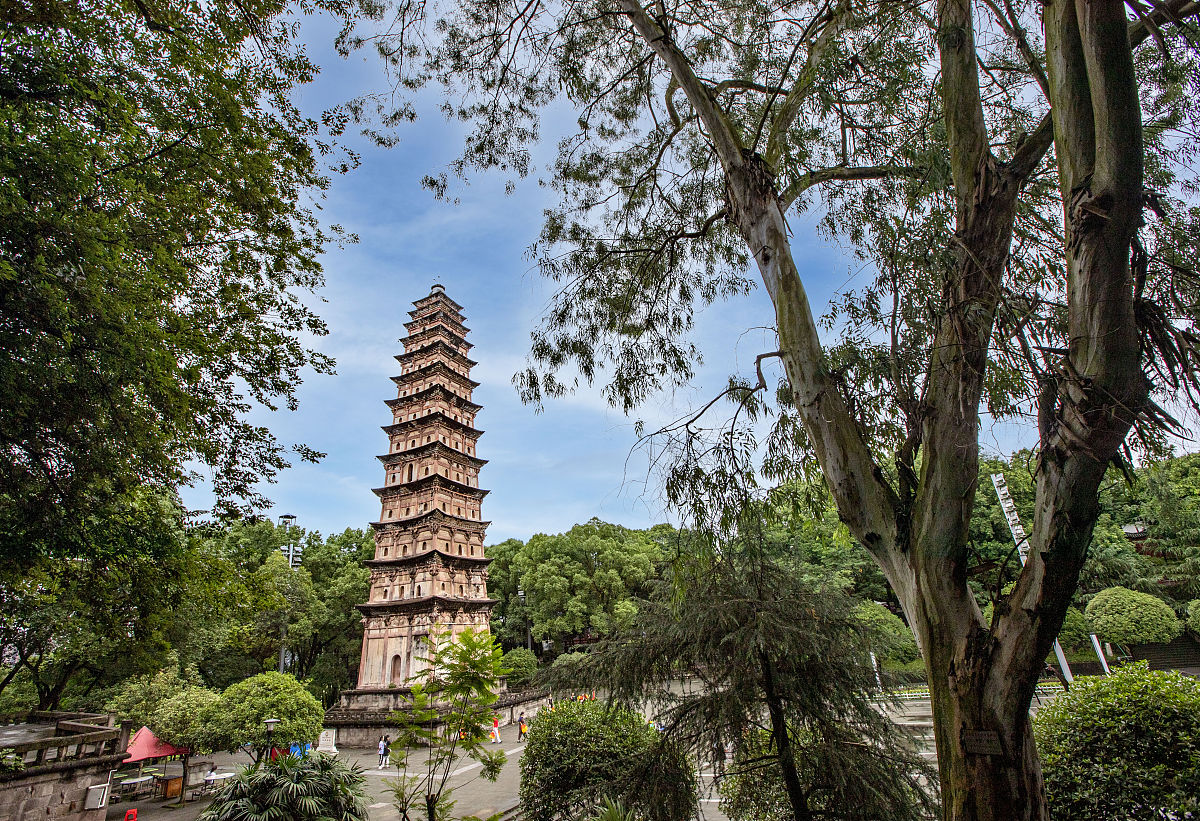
{"points": [[55, 791]]}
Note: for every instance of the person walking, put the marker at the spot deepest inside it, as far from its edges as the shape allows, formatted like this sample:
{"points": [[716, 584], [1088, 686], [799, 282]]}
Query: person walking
{"points": [[382, 748], [521, 728], [387, 750], [496, 729]]}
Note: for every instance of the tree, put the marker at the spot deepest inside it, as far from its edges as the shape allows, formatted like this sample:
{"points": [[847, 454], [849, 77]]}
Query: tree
{"points": [[84, 625], [739, 651], [138, 698], [155, 239], [702, 124], [521, 664], [1128, 617], [184, 720], [317, 787], [239, 714], [583, 753], [448, 716], [581, 583], [1125, 745]]}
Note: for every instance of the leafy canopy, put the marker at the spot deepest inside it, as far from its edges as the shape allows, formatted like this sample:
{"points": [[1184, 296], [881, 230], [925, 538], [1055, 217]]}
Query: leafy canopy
{"points": [[1128, 617], [1125, 745], [156, 233]]}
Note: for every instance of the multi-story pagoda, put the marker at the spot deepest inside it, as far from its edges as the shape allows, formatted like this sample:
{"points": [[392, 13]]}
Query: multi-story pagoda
{"points": [[429, 574]]}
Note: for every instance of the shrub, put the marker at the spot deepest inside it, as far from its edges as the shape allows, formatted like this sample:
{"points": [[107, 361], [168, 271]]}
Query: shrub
{"points": [[318, 787], [1193, 616], [1125, 616], [584, 752], [522, 664], [239, 714], [890, 636], [1122, 746]]}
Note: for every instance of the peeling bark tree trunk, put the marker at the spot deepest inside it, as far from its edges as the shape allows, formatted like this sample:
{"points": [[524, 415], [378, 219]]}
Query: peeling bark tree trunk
{"points": [[982, 677]]}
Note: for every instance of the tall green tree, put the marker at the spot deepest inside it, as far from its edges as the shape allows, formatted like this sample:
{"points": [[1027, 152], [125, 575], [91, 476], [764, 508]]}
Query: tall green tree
{"points": [[1012, 279], [737, 651], [156, 236], [582, 583], [185, 720]]}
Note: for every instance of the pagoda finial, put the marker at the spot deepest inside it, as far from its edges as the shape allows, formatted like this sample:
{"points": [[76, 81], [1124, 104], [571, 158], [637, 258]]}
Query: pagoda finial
{"points": [[437, 288]]}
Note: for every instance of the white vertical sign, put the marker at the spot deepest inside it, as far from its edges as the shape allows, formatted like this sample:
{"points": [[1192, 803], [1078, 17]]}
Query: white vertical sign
{"points": [[1022, 541]]}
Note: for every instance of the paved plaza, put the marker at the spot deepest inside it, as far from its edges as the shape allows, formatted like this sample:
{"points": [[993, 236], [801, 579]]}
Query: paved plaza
{"points": [[474, 795]]}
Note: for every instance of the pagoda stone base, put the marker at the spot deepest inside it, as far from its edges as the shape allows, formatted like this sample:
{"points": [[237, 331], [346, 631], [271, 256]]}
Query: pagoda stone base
{"points": [[360, 717]]}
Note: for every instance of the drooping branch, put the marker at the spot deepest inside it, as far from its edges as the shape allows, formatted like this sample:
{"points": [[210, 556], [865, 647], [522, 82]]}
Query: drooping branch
{"points": [[844, 172]]}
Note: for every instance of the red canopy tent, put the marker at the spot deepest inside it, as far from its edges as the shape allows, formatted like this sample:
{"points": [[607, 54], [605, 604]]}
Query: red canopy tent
{"points": [[145, 744]]}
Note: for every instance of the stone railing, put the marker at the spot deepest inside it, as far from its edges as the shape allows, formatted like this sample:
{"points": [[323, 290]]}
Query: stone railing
{"points": [[78, 737]]}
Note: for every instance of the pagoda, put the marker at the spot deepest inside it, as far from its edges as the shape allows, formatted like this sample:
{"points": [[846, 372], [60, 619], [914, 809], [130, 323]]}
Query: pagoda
{"points": [[429, 574]]}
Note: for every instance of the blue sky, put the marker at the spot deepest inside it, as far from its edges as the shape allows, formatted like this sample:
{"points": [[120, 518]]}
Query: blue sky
{"points": [[547, 471]]}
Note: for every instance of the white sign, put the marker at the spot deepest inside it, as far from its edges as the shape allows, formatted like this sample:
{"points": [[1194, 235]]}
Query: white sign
{"points": [[327, 743]]}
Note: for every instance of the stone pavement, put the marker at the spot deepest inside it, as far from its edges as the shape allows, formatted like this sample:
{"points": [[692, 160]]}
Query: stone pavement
{"points": [[474, 795]]}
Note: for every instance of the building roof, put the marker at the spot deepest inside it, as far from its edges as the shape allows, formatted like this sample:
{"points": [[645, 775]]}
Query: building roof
{"points": [[435, 479], [425, 419], [425, 370], [428, 449]]}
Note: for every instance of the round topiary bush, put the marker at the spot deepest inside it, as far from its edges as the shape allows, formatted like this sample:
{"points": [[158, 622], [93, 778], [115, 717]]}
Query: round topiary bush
{"points": [[583, 752], [1074, 631], [1193, 616], [1125, 616], [1123, 746], [521, 664]]}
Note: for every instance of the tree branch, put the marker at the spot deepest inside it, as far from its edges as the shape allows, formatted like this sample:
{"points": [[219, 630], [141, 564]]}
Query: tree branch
{"points": [[844, 172]]}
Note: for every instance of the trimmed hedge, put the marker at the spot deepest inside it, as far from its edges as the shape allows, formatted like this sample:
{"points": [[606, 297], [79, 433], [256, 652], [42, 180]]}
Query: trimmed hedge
{"points": [[1124, 746], [1127, 617]]}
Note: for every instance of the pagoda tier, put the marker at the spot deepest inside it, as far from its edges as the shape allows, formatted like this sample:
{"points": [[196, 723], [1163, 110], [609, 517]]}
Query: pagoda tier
{"points": [[429, 573]]}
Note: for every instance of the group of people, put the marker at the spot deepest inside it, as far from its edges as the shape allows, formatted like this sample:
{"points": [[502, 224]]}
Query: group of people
{"points": [[385, 749]]}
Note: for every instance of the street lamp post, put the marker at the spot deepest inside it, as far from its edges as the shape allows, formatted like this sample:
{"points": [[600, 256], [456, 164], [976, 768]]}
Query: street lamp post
{"points": [[270, 723], [292, 553]]}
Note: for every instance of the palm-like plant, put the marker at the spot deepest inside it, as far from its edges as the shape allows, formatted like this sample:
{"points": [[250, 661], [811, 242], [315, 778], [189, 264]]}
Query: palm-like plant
{"points": [[318, 787]]}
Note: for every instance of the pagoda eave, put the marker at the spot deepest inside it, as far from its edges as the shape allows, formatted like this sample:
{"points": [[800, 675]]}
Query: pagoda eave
{"points": [[434, 479], [426, 449], [404, 561], [474, 525], [420, 421], [423, 603], [426, 370]]}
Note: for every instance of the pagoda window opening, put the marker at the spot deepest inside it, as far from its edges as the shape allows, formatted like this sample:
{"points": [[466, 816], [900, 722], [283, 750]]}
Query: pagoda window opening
{"points": [[422, 545], [472, 550], [410, 471], [426, 470], [389, 514], [385, 551], [418, 591], [405, 552]]}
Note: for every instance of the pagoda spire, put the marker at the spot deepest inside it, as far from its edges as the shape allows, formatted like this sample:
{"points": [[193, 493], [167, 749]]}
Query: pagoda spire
{"points": [[429, 573]]}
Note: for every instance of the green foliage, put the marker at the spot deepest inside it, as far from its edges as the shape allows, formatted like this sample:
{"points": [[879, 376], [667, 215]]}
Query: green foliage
{"points": [[238, 716], [82, 626], [1122, 746], [317, 787], [157, 235], [185, 719], [582, 752], [891, 638], [522, 664], [137, 698], [1074, 633], [10, 761], [448, 716], [1127, 617], [578, 583], [769, 641], [1193, 616]]}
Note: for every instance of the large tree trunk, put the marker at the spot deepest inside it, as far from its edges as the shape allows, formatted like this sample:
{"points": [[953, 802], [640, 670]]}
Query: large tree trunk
{"points": [[982, 677]]}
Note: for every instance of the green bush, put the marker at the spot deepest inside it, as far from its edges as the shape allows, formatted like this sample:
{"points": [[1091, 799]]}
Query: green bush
{"points": [[238, 716], [1125, 746], [521, 664], [891, 638], [318, 787], [583, 752], [1193, 616], [1125, 616]]}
